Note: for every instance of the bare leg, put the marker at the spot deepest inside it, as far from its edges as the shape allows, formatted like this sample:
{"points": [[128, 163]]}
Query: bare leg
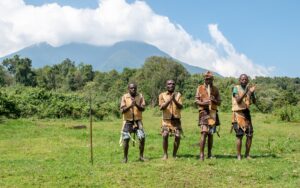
{"points": [[176, 145], [142, 146], [239, 147], [210, 141], [248, 146], [165, 146], [126, 147], [202, 145]]}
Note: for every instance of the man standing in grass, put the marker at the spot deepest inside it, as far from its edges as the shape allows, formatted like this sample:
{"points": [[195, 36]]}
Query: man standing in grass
{"points": [[208, 99], [132, 106], [242, 96], [170, 102]]}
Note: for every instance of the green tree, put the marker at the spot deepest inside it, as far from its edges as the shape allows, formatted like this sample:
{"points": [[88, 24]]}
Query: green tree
{"points": [[128, 74], [86, 72], [154, 74], [20, 68], [8, 107], [47, 77], [3, 76]]}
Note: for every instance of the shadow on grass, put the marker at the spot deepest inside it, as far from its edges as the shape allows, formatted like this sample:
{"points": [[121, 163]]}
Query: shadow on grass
{"points": [[170, 157], [225, 156], [188, 156], [271, 155], [194, 156]]}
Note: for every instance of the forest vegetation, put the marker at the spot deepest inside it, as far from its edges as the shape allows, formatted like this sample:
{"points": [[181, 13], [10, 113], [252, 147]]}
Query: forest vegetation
{"points": [[63, 90]]}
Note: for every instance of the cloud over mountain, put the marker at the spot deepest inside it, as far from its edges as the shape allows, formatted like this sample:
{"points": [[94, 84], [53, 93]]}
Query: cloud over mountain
{"points": [[22, 25]]}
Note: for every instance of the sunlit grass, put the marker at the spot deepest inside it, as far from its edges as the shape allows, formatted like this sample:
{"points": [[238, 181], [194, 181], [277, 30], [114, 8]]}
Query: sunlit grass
{"points": [[48, 153]]}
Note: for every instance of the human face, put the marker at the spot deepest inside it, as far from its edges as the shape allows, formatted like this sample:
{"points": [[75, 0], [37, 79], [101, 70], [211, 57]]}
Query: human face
{"points": [[171, 86], [243, 80], [208, 81], [132, 88]]}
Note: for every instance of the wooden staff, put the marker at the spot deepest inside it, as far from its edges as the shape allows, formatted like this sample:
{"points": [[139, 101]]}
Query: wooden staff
{"points": [[208, 91], [91, 130]]}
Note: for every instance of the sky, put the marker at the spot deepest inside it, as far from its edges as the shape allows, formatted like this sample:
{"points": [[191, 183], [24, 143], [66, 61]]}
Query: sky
{"points": [[257, 37]]}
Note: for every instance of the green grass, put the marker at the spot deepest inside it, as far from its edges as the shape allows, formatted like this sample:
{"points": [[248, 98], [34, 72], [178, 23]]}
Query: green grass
{"points": [[47, 153]]}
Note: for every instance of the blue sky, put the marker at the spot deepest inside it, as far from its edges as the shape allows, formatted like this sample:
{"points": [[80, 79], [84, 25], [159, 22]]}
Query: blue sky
{"points": [[267, 31], [261, 34]]}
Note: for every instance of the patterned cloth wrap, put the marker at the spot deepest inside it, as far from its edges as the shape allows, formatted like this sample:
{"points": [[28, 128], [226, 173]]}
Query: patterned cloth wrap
{"points": [[208, 120], [135, 127], [241, 121], [171, 127]]}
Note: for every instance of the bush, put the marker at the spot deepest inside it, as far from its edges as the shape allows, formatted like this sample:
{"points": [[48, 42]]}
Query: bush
{"points": [[20, 101], [8, 107], [288, 113]]}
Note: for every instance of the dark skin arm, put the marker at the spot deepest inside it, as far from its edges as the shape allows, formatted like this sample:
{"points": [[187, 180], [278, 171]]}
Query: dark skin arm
{"points": [[172, 98], [207, 102], [240, 98], [214, 100], [248, 91], [126, 108], [164, 105], [203, 103], [179, 106], [139, 107]]}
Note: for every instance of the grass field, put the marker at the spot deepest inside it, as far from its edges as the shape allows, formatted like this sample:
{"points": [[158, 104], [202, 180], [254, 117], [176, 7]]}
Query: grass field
{"points": [[48, 153]]}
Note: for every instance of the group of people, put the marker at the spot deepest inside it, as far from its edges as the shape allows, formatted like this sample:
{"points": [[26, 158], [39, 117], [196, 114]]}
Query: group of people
{"points": [[170, 103]]}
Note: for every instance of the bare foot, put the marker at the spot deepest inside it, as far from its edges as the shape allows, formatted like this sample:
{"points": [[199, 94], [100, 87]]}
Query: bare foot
{"points": [[201, 157], [142, 159], [165, 157]]}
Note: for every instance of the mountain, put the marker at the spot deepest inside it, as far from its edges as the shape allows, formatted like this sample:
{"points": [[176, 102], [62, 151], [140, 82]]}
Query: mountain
{"points": [[123, 54]]}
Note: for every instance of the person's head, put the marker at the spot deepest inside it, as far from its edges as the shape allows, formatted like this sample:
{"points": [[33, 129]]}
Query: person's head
{"points": [[208, 78], [170, 84], [243, 80], [132, 88]]}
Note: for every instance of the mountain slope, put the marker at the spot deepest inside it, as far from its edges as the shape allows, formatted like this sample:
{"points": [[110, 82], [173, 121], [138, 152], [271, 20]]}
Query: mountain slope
{"points": [[123, 54]]}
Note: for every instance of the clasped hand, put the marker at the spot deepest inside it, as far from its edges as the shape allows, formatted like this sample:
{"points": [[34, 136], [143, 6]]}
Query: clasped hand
{"points": [[250, 89], [133, 103]]}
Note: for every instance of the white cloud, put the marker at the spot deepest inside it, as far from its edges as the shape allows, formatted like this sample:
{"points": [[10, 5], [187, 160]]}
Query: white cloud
{"points": [[22, 25]]}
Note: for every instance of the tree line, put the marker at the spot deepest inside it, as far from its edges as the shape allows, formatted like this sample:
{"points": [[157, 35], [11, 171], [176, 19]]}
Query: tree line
{"points": [[63, 90]]}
